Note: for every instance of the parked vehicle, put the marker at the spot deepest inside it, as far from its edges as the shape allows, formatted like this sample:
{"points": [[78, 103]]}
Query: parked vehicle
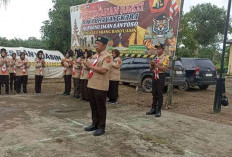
{"points": [[137, 71], [199, 72]]}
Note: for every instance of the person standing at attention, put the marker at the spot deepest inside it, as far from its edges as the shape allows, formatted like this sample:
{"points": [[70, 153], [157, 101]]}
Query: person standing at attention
{"points": [[98, 85]]}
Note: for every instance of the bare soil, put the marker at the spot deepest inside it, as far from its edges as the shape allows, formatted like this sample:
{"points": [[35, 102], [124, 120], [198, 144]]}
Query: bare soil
{"points": [[50, 124]]}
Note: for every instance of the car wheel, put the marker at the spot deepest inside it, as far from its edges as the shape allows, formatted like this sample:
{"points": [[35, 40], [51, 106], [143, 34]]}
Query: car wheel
{"points": [[125, 83], [184, 86], [204, 87], [147, 84]]}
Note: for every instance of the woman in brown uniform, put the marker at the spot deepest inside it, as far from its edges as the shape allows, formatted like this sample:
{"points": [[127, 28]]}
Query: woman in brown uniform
{"points": [[114, 74], [67, 64], [76, 72], [84, 76]]}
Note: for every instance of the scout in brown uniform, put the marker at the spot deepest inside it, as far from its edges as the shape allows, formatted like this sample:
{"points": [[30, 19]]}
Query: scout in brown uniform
{"points": [[67, 64], [12, 71], [39, 71], [98, 86], [85, 76], [4, 73], [22, 65], [114, 74], [159, 67], [76, 72]]}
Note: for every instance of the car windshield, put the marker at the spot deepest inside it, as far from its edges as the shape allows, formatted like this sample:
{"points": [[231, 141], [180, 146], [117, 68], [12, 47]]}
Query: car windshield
{"points": [[204, 64]]}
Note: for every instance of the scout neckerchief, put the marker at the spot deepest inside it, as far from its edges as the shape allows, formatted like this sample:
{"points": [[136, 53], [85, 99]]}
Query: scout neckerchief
{"points": [[94, 64], [157, 69], [4, 69], [24, 68]]}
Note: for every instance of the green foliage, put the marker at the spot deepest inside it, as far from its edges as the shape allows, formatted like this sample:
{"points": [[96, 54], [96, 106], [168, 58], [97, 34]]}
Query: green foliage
{"points": [[201, 32], [56, 31], [31, 42]]}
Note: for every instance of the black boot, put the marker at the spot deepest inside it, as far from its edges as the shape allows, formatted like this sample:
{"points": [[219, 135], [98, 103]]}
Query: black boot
{"points": [[158, 111], [152, 111], [91, 128], [99, 132]]}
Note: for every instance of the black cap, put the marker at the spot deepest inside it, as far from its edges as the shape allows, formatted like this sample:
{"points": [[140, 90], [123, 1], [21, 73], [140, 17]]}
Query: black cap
{"points": [[3, 50], [160, 46], [102, 40]]}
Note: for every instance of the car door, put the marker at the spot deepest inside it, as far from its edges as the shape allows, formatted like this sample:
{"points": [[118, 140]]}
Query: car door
{"points": [[126, 69], [140, 65]]}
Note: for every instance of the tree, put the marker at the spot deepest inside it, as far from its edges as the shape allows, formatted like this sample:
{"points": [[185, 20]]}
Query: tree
{"points": [[201, 31], [56, 32]]}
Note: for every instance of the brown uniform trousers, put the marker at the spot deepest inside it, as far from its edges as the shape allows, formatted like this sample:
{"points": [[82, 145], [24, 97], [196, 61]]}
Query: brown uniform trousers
{"points": [[114, 75], [98, 86]]}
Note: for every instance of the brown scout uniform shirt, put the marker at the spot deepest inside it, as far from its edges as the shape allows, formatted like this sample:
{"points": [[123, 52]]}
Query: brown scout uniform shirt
{"points": [[101, 81], [38, 65], [84, 72], [76, 68], [7, 65], [164, 60], [66, 63], [12, 64], [19, 67], [114, 72]]}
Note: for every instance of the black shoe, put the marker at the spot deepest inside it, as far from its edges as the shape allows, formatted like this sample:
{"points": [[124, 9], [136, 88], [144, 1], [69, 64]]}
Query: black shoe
{"points": [[64, 93], [151, 112], [67, 94], [99, 132], [113, 102], [77, 96], [91, 128]]}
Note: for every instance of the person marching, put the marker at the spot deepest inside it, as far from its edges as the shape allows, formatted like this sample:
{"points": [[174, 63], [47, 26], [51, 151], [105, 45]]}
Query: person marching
{"points": [[39, 71], [114, 74], [85, 76], [98, 85], [12, 71], [67, 64], [22, 65], [76, 72], [159, 66], [4, 73]]}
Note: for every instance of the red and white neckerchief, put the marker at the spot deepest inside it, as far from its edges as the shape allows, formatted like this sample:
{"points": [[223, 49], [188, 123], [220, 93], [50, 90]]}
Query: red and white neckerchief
{"points": [[41, 68], [157, 70], [4, 69], [24, 68], [14, 68], [94, 64]]}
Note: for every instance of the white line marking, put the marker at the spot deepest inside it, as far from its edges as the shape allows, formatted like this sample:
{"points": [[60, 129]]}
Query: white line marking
{"points": [[125, 126], [76, 122]]}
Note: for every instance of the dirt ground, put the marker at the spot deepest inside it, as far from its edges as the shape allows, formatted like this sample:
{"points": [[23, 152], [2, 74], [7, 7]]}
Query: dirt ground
{"points": [[50, 124]]}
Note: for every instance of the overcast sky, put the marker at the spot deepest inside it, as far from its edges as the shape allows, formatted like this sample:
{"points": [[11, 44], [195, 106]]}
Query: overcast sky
{"points": [[23, 18]]}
